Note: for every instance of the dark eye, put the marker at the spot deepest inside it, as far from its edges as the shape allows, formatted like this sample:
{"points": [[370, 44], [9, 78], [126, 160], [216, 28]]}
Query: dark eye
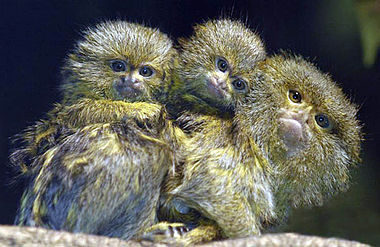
{"points": [[118, 65], [222, 64], [146, 71], [322, 120], [239, 84], [295, 96]]}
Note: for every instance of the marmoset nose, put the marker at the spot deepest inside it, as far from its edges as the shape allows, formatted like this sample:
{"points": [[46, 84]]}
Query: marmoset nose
{"points": [[300, 115], [129, 80], [220, 82], [292, 128]]}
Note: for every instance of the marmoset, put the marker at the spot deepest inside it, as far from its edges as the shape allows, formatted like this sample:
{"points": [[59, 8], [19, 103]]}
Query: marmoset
{"points": [[210, 74], [210, 78], [116, 64], [292, 141], [306, 127], [97, 163]]}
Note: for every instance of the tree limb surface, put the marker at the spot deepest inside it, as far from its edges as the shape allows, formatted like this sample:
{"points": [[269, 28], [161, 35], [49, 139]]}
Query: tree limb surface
{"points": [[30, 236]]}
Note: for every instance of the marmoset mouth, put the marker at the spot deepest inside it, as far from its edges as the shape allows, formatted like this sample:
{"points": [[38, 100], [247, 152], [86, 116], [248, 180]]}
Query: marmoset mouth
{"points": [[292, 130], [126, 89], [217, 88]]}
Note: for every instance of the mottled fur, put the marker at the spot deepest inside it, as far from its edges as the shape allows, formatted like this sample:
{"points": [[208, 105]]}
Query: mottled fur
{"points": [[196, 67], [97, 162], [133, 43], [244, 176], [103, 179], [201, 194], [317, 166], [225, 179]]}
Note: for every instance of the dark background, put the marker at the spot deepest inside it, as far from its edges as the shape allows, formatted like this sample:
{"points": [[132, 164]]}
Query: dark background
{"points": [[36, 35]]}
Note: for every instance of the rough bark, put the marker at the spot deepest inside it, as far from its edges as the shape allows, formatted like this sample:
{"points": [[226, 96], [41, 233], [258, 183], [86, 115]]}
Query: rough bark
{"points": [[29, 236]]}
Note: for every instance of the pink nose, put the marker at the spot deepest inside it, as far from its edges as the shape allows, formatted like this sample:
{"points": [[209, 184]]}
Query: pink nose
{"points": [[300, 116], [219, 82], [292, 129]]}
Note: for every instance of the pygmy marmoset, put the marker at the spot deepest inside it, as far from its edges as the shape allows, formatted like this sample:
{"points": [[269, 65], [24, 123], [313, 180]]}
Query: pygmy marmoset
{"points": [[212, 76], [292, 140], [306, 127], [95, 165]]}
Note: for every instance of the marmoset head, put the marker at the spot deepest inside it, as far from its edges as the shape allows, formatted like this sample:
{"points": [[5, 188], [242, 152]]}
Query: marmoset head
{"points": [[118, 60], [215, 62], [306, 127]]}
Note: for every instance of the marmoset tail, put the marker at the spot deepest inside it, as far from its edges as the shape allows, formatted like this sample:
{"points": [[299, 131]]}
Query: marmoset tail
{"points": [[97, 163]]}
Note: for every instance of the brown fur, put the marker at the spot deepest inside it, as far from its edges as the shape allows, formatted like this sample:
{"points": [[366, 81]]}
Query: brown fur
{"points": [[97, 162]]}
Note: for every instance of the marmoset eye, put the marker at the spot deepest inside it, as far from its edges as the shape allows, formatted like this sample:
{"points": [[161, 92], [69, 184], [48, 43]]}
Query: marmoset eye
{"points": [[146, 71], [222, 64], [118, 66], [322, 120], [239, 85], [295, 96]]}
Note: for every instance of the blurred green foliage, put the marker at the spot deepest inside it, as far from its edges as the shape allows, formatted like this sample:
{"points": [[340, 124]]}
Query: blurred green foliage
{"points": [[368, 14]]}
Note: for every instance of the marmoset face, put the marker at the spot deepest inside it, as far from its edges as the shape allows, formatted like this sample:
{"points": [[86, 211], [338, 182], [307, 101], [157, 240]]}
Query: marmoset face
{"points": [[216, 61], [306, 126], [120, 61]]}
